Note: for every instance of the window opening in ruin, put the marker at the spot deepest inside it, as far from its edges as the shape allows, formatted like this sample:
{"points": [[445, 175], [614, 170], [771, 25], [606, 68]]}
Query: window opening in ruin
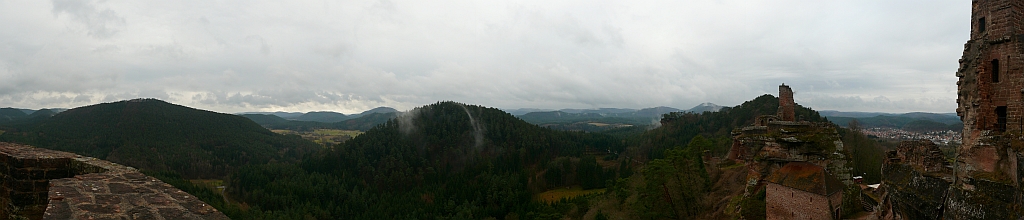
{"points": [[1001, 118], [981, 25], [995, 70]]}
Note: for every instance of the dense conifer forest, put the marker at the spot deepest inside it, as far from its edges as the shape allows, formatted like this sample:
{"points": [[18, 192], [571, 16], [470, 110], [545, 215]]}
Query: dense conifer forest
{"points": [[151, 134], [445, 160]]}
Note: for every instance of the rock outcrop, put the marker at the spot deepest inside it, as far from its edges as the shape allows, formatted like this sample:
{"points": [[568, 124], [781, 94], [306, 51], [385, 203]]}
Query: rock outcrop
{"points": [[774, 141], [915, 181]]}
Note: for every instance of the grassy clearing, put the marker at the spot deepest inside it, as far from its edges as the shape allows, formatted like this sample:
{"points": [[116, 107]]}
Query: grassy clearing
{"points": [[336, 132], [324, 137], [552, 196], [284, 131]]}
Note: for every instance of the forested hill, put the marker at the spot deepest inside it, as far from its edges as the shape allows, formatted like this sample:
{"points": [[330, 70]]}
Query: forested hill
{"points": [[677, 128], [445, 160], [155, 135]]}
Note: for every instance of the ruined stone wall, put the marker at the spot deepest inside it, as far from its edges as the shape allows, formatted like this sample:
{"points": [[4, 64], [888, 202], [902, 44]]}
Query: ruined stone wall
{"points": [[910, 190], [787, 107], [994, 51], [923, 155], [789, 203], [46, 184], [26, 173], [991, 105]]}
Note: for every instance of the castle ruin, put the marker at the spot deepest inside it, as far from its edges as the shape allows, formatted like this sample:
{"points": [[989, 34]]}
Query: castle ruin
{"points": [[787, 107], [801, 165], [989, 165], [985, 179]]}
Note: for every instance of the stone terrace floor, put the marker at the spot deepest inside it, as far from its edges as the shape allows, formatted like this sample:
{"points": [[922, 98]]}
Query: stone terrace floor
{"points": [[107, 190], [123, 196]]}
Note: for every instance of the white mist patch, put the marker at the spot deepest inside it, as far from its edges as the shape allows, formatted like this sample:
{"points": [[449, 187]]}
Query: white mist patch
{"points": [[478, 130], [655, 123], [405, 121]]}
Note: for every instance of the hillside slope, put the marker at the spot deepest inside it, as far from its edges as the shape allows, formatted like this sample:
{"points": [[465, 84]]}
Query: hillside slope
{"points": [[445, 160], [155, 135]]}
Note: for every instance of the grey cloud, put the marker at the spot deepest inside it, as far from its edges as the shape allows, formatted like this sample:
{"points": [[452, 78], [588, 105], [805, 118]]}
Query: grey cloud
{"points": [[229, 56], [877, 103], [272, 98], [333, 51], [107, 49], [264, 48], [101, 23], [82, 98]]}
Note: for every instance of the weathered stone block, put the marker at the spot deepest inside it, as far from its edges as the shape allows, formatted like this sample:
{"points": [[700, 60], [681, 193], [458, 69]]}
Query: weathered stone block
{"points": [[59, 210]]}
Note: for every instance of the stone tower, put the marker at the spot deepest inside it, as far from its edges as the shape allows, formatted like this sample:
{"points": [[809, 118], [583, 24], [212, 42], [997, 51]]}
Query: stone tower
{"points": [[989, 166], [786, 104]]}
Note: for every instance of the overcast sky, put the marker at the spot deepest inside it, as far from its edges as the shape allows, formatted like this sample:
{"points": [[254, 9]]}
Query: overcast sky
{"points": [[350, 56]]}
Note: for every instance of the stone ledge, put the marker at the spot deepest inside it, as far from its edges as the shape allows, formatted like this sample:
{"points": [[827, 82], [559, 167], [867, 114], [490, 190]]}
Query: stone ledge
{"points": [[46, 184], [130, 195]]}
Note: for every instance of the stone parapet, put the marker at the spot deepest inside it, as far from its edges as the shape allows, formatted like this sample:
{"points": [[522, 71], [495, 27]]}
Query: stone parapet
{"points": [[46, 184]]}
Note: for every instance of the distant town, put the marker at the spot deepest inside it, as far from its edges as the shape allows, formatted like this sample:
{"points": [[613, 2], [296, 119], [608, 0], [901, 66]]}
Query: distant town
{"points": [[938, 137]]}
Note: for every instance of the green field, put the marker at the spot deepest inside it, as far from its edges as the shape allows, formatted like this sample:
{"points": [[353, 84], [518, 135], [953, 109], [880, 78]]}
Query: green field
{"points": [[335, 132], [324, 136], [552, 196]]}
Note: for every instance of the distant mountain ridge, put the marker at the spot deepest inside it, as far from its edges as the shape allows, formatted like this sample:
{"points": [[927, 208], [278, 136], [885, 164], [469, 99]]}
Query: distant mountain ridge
{"points": [[706, 107], [16, 114], [10, 114], [329, 117], [282, 115], [322, 116], [913, 121], [635, 116], [362, 123]]}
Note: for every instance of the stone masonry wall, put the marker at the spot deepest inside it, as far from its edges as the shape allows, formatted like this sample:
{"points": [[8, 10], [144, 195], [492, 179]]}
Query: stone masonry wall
{"points": [[46, 184], [994, 51], [26, 173], [795, 204], [787, 107], [990, 102]]}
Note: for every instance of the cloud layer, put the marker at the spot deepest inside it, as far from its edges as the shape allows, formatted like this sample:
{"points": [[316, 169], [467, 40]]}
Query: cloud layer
{"points": [[349, 56]]}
